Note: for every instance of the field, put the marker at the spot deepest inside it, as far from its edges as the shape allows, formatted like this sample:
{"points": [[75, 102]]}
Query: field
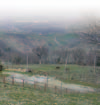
{"points": [[75, 73], [27, 96], [17, 95]]}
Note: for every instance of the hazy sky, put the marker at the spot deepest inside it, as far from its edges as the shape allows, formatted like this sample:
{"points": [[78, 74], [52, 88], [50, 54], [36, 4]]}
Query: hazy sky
{"points": [[46, 10]]}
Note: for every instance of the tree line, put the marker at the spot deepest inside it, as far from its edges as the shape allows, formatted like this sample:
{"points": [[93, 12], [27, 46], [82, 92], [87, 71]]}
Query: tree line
{"points": [[43, 55]]}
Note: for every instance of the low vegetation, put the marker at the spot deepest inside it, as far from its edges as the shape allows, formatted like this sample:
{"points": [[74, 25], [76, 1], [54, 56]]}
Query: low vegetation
{"points": [[16, 95], [69, 74], [29, 96]]}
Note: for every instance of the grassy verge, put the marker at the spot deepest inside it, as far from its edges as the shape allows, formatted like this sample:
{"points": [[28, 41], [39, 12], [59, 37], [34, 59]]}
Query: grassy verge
{"points": [[14, 95]]}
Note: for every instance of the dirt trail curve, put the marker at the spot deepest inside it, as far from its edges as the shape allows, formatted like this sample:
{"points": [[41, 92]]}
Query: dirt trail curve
{"points": [[51, 82], [56, 41]]}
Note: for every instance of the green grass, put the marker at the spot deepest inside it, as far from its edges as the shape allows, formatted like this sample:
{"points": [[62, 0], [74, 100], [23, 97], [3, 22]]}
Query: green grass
{"points": [[16, 95], [1, 74], [77, 74]]}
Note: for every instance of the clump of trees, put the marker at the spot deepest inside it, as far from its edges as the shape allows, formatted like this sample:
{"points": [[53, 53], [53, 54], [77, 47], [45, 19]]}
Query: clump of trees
{"points": [[79, 56], [59, 56], [43, 55]]}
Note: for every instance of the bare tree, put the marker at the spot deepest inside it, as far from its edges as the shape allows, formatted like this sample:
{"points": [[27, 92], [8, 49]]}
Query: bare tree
{"points": [[60, 55], [92, 29], [79, 55], [92, 34], [90, 57], [1, 53], [40, 51], [17, 59]]}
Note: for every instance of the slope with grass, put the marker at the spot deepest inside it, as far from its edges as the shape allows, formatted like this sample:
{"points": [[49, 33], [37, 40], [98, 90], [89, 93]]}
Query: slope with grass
{"points": [[17, 95], [27, 96], [83, 75]]}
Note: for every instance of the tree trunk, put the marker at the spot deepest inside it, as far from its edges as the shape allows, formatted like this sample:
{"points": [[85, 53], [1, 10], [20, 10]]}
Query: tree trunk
{"points": [[94, 63], [40, 61]]}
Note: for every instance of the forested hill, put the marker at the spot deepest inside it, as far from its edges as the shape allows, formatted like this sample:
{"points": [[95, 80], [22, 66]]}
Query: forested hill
{"points": [[23, 37]]}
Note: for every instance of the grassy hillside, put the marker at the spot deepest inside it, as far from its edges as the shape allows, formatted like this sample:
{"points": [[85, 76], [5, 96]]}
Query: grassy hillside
{"points": [[28, 96], [17, 95], [76, 74]]}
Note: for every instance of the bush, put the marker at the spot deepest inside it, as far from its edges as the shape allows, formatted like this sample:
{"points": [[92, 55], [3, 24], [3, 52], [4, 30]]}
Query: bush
{"points": [[1, 67], [57, 67], [29, 70]]}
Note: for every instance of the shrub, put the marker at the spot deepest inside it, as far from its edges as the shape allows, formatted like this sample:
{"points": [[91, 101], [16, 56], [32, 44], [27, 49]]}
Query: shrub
{"points": [[29, 70], [1, 67], [57, 67]]}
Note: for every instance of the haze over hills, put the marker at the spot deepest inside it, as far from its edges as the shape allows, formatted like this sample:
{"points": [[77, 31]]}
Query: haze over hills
{"points": [[23, 36], [55, 23]]}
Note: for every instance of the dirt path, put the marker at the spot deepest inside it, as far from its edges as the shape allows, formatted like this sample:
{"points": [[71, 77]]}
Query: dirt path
{"points": [[51, 82], [56, 41]]}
